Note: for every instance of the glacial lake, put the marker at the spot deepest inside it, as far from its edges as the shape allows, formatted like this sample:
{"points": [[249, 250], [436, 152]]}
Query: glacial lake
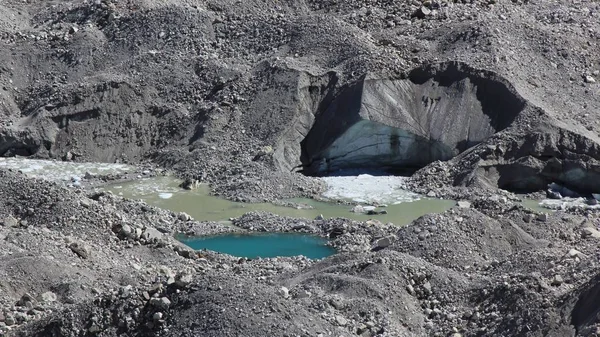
{"points": [[164, 192], [263, 245]]}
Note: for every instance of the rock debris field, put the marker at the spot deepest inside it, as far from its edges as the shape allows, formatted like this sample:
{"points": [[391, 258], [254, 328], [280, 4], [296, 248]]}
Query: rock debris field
{"points": [[485, 102]]}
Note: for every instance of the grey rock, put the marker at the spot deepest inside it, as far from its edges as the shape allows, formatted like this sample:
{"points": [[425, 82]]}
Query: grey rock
{"points": [[126, 231], [464, 204], [161, 303], [183, 279], [427, 287], [10, 221], [21, 317], [591, 232], [10, 320], [557, 280], [284, 292], [340, 320], [303, 294], [80, 249], [151, 235], [27, 298], [48, 297], [422, 12], [383, 242], [528, 217]]}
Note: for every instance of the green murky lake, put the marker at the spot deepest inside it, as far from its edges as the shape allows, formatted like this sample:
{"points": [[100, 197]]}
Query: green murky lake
{"points": [[164, 192]]}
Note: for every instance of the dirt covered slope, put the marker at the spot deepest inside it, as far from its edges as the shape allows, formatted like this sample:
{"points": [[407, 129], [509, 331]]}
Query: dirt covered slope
{"points": [[228, 92], [81, 264], [251, 96]]}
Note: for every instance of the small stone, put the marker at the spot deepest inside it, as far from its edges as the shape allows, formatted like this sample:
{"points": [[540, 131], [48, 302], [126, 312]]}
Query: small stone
{"points": [[573, 253], [137, 233], [427, 287], [557, 280], [464, 204], [382, 242], [68, 156], [189, 184], [422, 12], [80, 249], [73, 30], [151, 235], [10, 221], [528, 217], [184, 216], [284, 292], [590, 79], [542, 217], [340, 320], [94, 329], [157, 316], [183, 280], [126, 231], [591, 232], [303, 294], [26, 298], [48, 297], [320, 217], [162, 302], [10, 320], [21, 317]]}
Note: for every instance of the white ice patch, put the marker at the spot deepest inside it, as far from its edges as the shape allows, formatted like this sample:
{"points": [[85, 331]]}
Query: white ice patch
{"points": [[165, 195], [567, 203], [60, 170], [368, 189]]}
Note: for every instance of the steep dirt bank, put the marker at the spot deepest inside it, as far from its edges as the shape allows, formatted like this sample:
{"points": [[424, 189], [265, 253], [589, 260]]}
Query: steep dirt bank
{"points": [[231, 93]]}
